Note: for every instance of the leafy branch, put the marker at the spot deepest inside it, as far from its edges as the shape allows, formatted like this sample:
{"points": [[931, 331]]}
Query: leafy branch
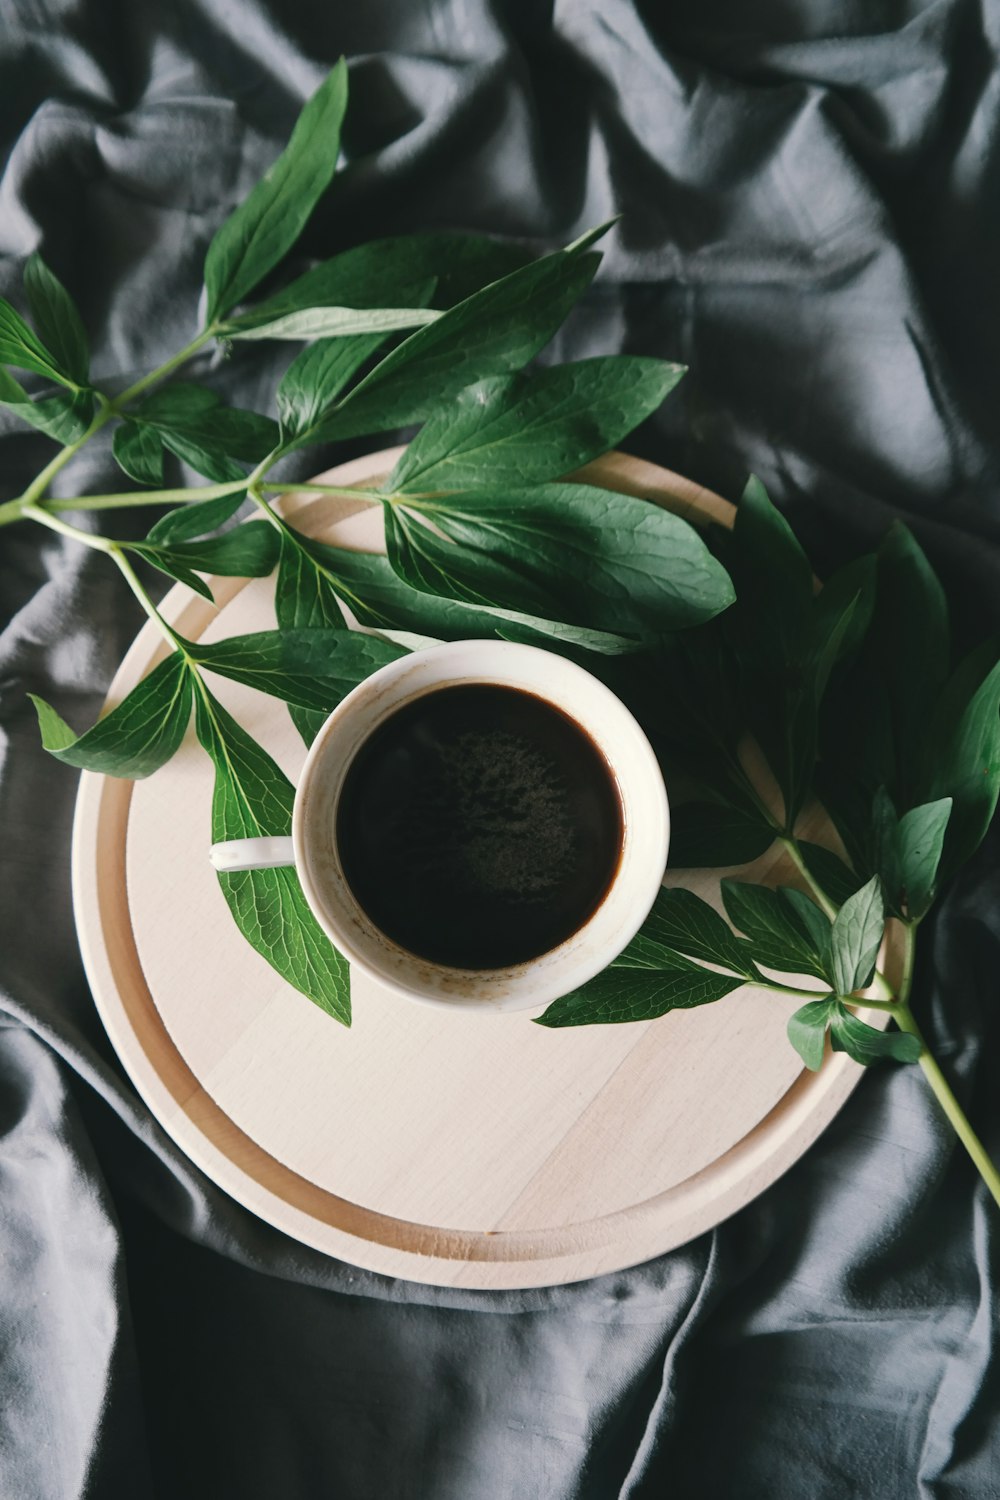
{"points": [[800, 706], [765, 696], [433, 329]]}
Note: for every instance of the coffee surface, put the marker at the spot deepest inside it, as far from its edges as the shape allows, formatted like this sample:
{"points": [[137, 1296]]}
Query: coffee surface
{"points": [[479, 826]]}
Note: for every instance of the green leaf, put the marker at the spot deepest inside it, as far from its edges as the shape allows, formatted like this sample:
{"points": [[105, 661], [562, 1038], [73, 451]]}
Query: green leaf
{"points": [[253, 798], [494, 331], [706, 835], [138, 736], [681, 921], [785, 707], [567, 551], [807, 1030], [338, 322], [139, 452], [197, 418], [885, 846], [639, 993], [374, 274], [856, 936], [866, 1044], [315, 379], [812, 921], [967, 764], [911, 637], [57, 319], [364, 581], [304, 599], [64, 416], [313, 669], [247, 551], [854, 584], [266, 225], [21, 347], [773, 580], [163, 558], [526, 429], [920, 840], [214, 466], [780, 938], [835, 879], [195, 519]]}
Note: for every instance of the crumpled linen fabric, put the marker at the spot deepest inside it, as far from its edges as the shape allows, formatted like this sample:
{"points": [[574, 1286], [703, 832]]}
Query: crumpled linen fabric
{"points": [[811, 223]]}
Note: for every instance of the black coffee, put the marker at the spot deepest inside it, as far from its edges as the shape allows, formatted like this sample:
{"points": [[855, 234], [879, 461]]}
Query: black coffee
{"points": [[479, 827]]}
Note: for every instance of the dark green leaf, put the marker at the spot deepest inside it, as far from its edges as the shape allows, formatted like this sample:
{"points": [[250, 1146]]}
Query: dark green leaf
{"points": [[920, 841], [911, 647], [315, 379], [639, 994], [884, 845], [191, 415], [812, 920], [967, 766], [856, 582], [247, 551], [567, 551], [785, 709], [266, 225], [138, 736], [57, 319], [164, 559], [339, 322], [773, 580], [313, 669], [214, 466], [64, 416], [526, 429], [494, 331], [21, 347], [305, 599], [835, 879], [681, 921], [807, 1030], [139, 452], [253, 798], [866, 1044], [779, 937], [376, 597], [187, 521], [856, 936], [373, 274], [706, 835]]}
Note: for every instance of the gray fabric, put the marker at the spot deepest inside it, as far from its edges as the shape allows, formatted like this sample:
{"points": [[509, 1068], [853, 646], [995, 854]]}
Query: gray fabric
{"points": [[811, 222]]}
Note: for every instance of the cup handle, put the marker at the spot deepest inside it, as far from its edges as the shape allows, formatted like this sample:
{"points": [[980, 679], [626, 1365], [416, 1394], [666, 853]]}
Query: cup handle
{"points": [[252, 854]]}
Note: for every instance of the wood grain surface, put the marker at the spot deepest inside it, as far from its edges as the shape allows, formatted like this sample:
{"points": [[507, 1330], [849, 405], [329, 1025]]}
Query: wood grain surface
{"points": [[445, 1148]]}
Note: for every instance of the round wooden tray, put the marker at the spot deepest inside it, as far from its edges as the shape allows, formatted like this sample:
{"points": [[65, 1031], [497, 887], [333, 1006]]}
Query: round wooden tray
{"points": [[444, 1148]]}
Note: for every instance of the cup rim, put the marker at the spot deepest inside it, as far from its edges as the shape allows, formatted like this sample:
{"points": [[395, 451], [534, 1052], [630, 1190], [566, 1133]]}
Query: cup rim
{"points": [[536, 981]]}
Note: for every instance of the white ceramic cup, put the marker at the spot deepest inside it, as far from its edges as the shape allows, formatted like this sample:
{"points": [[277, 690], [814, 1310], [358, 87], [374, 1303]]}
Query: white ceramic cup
{"points": [[312, 847]]}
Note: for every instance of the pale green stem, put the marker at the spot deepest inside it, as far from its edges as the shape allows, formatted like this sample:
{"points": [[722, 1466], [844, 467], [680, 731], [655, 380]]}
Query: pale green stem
{"points": [[116, 552], [790, 844], [12, 510], [54, 523], [344, 491], [162, 371], [939, 1084], [131, 499], [791, 989], [41, 481]]}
